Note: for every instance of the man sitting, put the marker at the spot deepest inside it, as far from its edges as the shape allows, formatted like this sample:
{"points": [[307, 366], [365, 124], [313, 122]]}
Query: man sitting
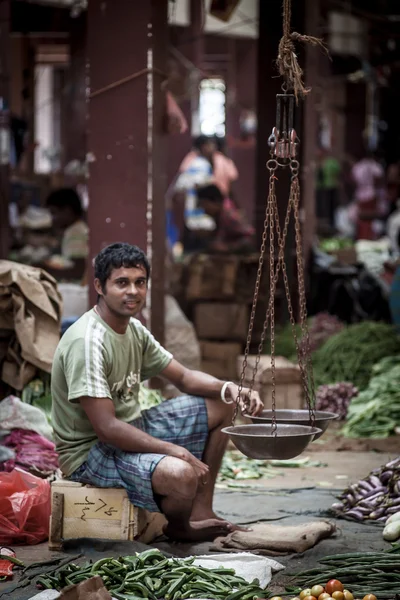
{"points": [[168, 457], [233, 233], [67, 217]]}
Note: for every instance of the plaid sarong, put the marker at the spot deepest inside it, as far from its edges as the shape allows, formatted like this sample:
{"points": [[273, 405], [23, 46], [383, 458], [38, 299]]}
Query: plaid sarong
{"points": [[182, 421]]}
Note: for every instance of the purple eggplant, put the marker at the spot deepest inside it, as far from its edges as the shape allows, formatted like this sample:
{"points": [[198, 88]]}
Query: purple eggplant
{"points": [[386, 477], [355, 514], [374, 481], [393, 463], [377, 513], [365, 485]]}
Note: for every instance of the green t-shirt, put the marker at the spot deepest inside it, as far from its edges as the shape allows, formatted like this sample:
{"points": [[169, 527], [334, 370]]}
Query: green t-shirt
{"points": [[93, 360], [328, 174]]}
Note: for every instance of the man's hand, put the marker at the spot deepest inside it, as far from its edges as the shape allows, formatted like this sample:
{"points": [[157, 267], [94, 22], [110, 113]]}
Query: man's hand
{"points": [[250, 402], [200, 468]]}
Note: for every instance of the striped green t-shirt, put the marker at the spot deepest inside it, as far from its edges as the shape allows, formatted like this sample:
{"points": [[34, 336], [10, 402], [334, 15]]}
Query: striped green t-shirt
{"points": [[93, 360]]}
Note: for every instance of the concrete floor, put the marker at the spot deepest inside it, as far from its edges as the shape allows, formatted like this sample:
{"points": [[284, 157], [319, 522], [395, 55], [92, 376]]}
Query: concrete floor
{"points": [[296, 496]]}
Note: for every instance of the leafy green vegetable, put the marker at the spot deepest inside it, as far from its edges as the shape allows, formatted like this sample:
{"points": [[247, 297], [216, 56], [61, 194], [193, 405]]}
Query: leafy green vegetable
{"points": [[375, 412], [237, 467], [148, 397], [351, 354], [335, 244], [37, 393]]}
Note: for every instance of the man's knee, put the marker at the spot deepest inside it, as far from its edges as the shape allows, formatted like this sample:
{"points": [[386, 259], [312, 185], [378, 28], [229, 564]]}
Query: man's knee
{"points": [[175, 477], [219, 413]]}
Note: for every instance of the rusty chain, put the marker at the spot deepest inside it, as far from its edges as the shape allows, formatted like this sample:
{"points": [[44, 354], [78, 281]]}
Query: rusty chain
{"points": [[272, 225], [253, 311]]}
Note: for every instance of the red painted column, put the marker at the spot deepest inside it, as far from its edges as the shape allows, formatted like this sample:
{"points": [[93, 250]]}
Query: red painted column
{"points": [[5, 48], [127, 51], [75, 109]]}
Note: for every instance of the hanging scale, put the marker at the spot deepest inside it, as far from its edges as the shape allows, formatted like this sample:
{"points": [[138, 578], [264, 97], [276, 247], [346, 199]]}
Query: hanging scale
{"points": [[281, 434]]}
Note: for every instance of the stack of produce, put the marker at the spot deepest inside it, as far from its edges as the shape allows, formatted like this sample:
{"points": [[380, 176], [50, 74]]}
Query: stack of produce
{"points": [[374, 498], [33, 452], [367, 575], [152, 575], [335, 398], [375, 413], [321, 328], [351, 354]]}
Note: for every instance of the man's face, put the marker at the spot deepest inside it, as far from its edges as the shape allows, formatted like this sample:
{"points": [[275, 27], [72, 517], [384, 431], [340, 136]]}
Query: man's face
{"points": [[125, 291], [60, 216], [210, 208], [208, 149]]}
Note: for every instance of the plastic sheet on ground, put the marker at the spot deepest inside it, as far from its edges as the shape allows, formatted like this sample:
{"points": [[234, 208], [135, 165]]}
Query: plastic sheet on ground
{"points": [[247, 565]]}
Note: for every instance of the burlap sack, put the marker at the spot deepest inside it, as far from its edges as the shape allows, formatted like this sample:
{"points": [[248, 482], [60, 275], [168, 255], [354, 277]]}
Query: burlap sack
{"points": [[30, 309], [275, 540], [91, 589]]}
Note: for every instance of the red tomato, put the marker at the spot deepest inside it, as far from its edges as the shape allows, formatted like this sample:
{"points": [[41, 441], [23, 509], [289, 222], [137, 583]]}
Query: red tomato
{"points": [[334, 586]]}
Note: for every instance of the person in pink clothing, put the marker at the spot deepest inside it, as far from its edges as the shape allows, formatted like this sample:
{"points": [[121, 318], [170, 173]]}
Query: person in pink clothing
{"points": [[368, 178], [224, 171]]}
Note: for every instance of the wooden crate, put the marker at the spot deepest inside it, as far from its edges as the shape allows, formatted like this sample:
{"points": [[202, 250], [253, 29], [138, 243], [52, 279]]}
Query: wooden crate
{"points": [[221, 321], [219, 359], [288, 382], [212, 277], [79, 510]]}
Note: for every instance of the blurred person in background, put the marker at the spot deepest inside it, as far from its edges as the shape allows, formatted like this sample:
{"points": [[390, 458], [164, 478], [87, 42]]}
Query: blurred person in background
{"points": [[368, 179], [67, 214], [223, 169], [327, 185], [233, 233]]}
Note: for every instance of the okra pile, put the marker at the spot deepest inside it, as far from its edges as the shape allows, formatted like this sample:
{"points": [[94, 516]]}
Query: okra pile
{"points": [[152, 575]]}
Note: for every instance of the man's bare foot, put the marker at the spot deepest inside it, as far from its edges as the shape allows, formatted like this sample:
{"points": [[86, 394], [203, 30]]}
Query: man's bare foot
{"points": [[204, 515], [199, 531]]}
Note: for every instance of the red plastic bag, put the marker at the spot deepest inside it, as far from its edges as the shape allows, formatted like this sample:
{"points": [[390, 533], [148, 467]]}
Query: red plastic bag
{"points": [[24, 508]]}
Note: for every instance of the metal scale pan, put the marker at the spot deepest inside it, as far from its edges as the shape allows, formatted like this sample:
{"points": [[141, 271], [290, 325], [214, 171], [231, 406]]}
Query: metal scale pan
{"points": [[261, 442], [298, 417]]}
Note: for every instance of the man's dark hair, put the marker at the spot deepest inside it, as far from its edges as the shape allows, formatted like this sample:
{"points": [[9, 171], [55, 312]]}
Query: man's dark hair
{"points": [[201, 140], [66, 197], [210, 192], [116, 256]]}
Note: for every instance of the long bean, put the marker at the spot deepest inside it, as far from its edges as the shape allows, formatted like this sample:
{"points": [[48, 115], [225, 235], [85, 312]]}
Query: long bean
{"points": [[376, 573]]}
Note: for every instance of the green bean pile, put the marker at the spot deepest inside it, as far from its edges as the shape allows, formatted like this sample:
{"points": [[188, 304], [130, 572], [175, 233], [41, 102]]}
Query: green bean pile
{"points": [[375, 573], [152, 575], [351, 354]]}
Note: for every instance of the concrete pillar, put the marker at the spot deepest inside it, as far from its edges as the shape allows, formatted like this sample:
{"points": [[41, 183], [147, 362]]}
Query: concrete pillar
{"points": [[127, 51], [5, 51]]}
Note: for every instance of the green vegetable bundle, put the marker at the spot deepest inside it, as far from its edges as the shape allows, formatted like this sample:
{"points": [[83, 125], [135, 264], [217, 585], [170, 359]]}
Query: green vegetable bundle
{"points": [[379, 572], [351, 354], [152, 575], [148, 397], [375, 412]]}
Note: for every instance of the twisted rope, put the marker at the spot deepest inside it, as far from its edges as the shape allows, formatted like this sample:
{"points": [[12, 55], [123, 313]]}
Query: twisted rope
{"points": [[287, 62]]}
